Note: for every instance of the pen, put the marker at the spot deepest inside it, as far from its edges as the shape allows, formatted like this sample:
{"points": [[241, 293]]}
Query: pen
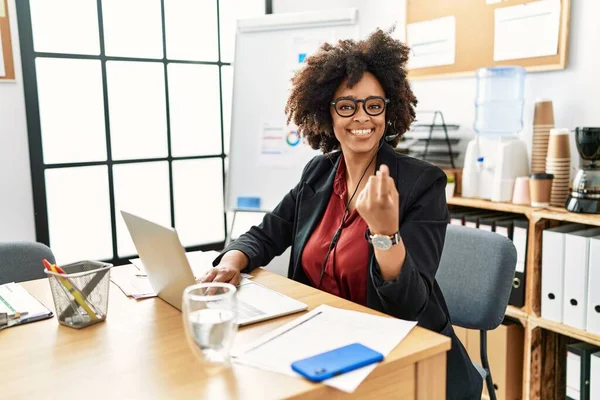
{"points": [[87, 289], [74, 291]]}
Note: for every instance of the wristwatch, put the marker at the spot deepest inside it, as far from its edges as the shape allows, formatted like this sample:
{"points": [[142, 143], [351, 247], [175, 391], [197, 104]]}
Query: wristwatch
{"points": [[382, 242]]}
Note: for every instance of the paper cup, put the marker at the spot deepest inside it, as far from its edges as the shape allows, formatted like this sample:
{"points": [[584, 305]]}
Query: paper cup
{"points": [[543, 113], [558, 146], [540, 186]]}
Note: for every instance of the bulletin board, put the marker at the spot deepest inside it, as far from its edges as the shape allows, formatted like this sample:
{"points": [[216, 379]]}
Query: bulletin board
{"points": [[7, 68], [474, 22]]}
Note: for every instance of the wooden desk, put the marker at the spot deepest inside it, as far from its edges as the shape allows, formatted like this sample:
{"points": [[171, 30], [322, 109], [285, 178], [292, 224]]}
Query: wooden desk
{"points": [[140, 351]]}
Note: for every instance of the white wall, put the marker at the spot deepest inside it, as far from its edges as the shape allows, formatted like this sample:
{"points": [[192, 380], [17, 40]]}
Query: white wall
{"points": [[16, 199], [372, 14], [574, 91]]}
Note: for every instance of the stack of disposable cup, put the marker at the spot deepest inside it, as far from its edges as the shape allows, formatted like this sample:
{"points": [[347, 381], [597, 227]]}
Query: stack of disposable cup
{"points": [[543, 121], [558, 163]]}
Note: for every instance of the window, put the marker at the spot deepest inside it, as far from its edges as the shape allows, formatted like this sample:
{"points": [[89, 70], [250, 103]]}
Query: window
{"points": [[128, 108]]}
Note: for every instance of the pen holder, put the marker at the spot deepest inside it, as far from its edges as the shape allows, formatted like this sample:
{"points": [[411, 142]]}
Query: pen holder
{"points": [[81, 293]]}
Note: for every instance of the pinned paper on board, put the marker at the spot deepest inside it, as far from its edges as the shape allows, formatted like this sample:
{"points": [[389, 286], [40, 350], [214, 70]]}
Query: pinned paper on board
{"points": [[432, 43], [2, 10], [2, 69], [526, 30]]}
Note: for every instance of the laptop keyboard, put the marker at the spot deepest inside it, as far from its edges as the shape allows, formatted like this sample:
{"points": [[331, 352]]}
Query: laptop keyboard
{"points": [[246, 310]]}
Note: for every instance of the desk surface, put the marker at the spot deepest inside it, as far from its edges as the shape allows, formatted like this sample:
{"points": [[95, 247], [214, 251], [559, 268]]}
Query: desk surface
{"points": [[140, 351]]}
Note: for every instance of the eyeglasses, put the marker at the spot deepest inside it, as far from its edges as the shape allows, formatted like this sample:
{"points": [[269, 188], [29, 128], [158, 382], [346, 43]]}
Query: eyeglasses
{"points": [[347, 106]]}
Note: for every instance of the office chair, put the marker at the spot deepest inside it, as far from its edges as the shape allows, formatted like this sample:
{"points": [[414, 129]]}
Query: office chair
{"points": [[22, 261], [475, 274]]}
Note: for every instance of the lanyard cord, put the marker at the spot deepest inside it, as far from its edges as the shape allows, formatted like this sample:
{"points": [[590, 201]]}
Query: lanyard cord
{"points": [[338, 232]]}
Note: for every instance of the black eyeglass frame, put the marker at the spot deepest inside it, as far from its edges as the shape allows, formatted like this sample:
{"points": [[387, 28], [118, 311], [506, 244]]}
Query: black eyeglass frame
{"points": [[364, 104]]}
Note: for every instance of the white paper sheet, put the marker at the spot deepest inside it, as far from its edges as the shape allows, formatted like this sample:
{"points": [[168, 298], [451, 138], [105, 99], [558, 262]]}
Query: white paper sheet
{"points": [[281, 146], [272, 150], [526, 30], [130, 284], [432, 42], [200, 262], [2, 11], [2, 70], [15, 298], [324, 328]]}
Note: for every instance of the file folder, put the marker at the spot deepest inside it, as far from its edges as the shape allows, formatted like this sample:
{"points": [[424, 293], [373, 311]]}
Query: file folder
{"points": [[472, 220], [458, 217], [576, 277], [489, 223], [593, 306], [505, 228], [553, 271], [520, 233], [595, 376], [578, 370]]}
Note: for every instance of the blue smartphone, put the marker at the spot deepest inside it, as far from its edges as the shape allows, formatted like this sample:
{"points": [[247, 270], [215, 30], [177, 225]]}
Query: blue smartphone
{"points": [[335, 362]]}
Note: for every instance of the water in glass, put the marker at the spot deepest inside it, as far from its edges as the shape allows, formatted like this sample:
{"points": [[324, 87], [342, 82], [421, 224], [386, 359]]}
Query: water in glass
{"points": [[209, 312]]}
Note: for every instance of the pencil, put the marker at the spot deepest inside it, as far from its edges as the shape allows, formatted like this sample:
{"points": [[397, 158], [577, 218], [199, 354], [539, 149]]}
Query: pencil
{"points": [[71, 289]]}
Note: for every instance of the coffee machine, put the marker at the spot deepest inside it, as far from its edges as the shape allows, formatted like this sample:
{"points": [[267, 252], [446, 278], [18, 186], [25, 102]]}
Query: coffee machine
{"points": [[585, 191]]}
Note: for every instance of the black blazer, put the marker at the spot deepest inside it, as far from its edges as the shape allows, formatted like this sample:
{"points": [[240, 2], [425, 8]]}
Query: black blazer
{"points": [[415, 294]]}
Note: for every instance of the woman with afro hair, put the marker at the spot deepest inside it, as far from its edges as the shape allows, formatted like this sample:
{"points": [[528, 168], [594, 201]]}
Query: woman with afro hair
{"points": [[365, 223]]}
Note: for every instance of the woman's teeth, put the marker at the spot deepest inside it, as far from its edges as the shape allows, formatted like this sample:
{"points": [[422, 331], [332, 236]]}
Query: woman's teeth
{"points": [[361, 132]]}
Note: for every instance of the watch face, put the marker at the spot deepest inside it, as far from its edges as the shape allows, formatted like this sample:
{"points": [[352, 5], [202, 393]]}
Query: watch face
{"points": [[382, 242]]}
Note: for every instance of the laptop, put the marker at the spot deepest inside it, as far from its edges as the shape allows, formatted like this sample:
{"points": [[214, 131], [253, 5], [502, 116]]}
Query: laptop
{"points": [[169, 273]]}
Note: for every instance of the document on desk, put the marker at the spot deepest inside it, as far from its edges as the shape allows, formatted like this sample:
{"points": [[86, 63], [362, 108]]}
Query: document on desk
{"points": [[14, 298], [200, 262], [324, 328], [134, 283]]}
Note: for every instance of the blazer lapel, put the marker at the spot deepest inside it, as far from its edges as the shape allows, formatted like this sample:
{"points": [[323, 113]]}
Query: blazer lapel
{"points": [[312, 203]]}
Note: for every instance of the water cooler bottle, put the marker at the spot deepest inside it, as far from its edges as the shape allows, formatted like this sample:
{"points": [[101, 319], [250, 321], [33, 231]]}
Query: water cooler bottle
{"points": [[497, 155]]}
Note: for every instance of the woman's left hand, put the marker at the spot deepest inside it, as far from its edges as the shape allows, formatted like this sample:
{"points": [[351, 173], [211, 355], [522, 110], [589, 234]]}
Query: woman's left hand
{"points": [[378, 203]]}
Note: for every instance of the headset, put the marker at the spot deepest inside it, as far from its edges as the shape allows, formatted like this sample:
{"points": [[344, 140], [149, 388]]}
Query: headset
{"points": [[338, 232]]}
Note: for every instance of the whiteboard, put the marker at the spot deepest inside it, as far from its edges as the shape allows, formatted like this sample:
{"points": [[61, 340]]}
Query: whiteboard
{"points": [[266, 157]]}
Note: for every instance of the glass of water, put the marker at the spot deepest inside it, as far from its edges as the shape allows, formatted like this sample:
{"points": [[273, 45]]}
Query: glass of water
{"points": [[209, 318]]}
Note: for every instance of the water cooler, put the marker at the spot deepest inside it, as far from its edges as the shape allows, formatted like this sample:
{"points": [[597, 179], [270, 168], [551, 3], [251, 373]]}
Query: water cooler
{"points": [[497, 155]]}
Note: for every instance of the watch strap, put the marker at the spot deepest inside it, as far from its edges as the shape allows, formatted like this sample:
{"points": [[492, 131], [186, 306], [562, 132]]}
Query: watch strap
{"points": [[395, 238]]}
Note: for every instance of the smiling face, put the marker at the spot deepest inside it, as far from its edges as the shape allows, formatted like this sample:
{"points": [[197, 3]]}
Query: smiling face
{"points": [[360, 133]]}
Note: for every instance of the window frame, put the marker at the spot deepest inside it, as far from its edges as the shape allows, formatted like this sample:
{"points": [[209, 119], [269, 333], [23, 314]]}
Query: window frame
{"points": [[37, 165]]}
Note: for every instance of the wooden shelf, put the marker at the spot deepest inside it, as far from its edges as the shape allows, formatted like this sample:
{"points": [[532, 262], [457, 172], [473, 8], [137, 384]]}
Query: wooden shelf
{"points": [[490, 205], [516, 313], [553, 213], [560, 214], [565, 330], [539, 352]]}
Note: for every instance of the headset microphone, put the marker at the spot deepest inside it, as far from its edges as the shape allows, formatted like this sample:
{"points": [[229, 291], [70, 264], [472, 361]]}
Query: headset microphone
{"points": [[389, 138]]}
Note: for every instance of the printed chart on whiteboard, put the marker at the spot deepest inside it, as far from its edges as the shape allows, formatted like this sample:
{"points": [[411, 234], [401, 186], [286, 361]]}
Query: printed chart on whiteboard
{"points": [[281, 146]]}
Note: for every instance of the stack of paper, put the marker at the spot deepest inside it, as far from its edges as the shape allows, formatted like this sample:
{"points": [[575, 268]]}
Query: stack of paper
{"points": [[324, 328], [14, 299], [134, 282]]}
